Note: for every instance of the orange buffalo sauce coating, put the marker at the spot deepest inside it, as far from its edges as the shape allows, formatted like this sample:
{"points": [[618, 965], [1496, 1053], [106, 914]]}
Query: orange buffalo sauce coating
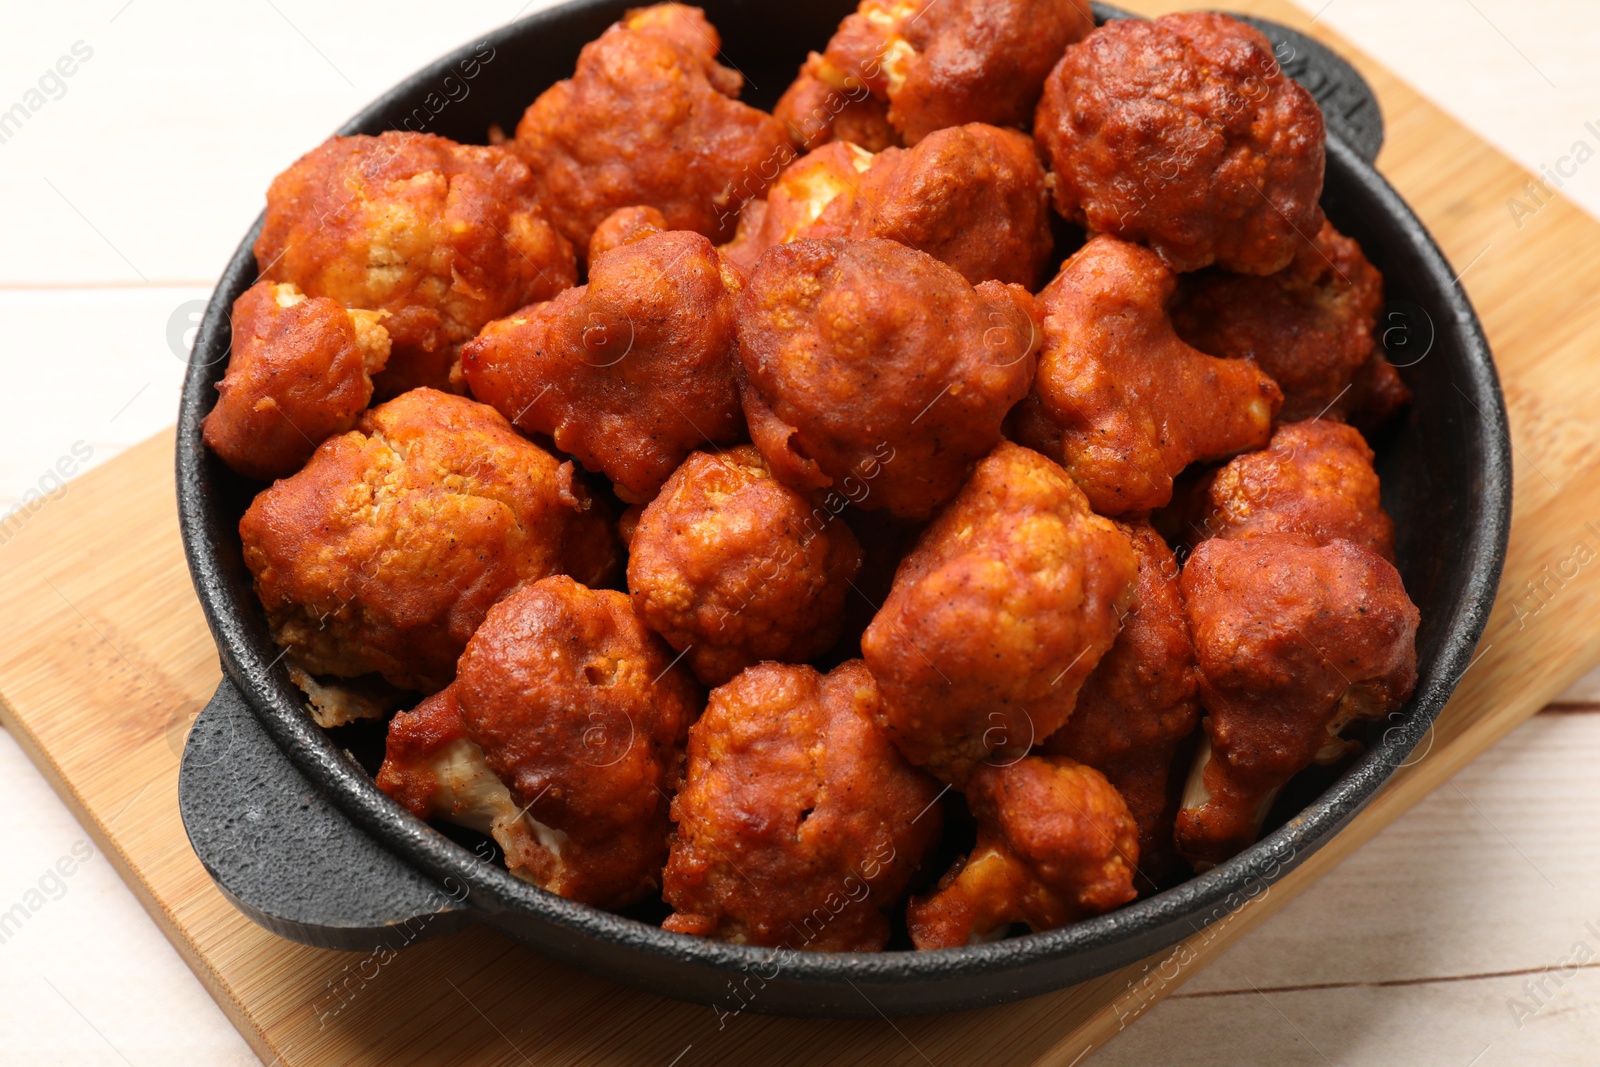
{"points": [[1184, 134], [629, 373], [1119, 400], [1315, 478], [1311, 327], [943, 63], [651, 118], [383, 554], [1295, 641], [874, 369], [971, 196], [733, 567], [582, 712], [799, 824], [1004, 607], [300, 371], [825, 104], [436, 772], [442, 236], [1055, 844]]}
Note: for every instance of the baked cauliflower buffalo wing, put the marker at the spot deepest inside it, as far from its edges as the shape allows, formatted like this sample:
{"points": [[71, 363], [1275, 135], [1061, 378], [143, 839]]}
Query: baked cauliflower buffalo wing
{"points": [[624, 226], [970, 196], [629, 373], [799, 824], [1055, 844], [650, 118], [1310, 326], [942, 63], [383, 554], [436, 772], [995, 619], [1120, 401], [1315, 478], [301, 371], [442, 236], [827, 178], [1185, 135], [733, 567], [825, 104], [1140, 705], [876, 369], [582, 713], [1295, 641]]}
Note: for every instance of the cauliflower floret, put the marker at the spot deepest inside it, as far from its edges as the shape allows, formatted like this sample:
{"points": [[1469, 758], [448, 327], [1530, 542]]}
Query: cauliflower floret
{"points": [[1295, 641], [583, 714], [972, 196], [334, 702], [1056, 844], [941, 63], [301, 371], [435, 771], [649, 118], [443, 236]]}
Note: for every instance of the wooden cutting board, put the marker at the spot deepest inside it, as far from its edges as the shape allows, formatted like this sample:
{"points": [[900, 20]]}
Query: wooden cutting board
{"points": [[105, 660]]}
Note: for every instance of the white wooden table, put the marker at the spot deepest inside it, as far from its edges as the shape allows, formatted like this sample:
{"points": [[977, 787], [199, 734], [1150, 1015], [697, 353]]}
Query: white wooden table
{"points": [[1467, 935]]}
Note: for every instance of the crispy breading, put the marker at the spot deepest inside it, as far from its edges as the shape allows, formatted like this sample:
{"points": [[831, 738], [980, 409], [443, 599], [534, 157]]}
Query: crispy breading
{"points": [[383, 554], [300, 371], [1140, 705], [436, 772], [825, 104], [629, 373], [624, 226], [1295, 641], [799, 824], [1119, 400], [733, 567], [583, 713], [943, 63], [443, 236], [1184, 134], [877, 370], [998, 615], [650, 118], [970, 196], [1055, 844], [1315, 478], [1310, 326]]}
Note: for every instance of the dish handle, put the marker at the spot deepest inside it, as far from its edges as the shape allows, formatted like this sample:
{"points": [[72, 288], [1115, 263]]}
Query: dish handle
{"points": [[286, 856]]}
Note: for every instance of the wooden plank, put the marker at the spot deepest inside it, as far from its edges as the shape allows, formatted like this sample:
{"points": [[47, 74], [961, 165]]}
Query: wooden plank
{"points": [[1459, 916], [104, 655], [1510, 850], [1376, 1024]]}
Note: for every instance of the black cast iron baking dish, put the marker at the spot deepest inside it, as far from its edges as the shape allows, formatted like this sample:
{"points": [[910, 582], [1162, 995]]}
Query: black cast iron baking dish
{"points": [[294, 831]]}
